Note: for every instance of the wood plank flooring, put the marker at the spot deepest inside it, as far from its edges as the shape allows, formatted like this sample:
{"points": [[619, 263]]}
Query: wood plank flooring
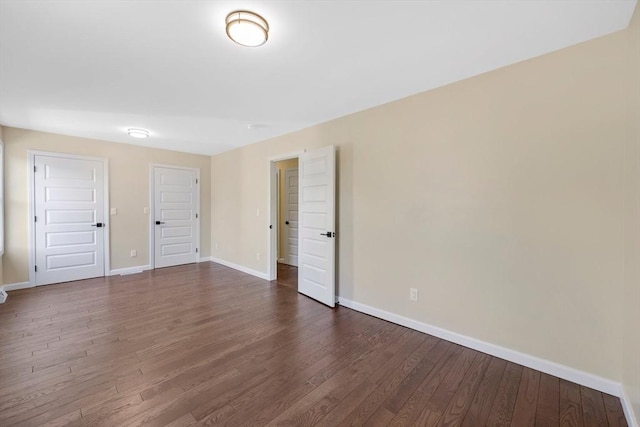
{"points": [[204, 344]]}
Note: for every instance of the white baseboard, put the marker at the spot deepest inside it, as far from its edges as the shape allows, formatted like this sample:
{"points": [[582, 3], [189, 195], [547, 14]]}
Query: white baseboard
{"points": [[16, 286], [3, 296], [205, 259], [546, 366], [129, 270], [240, 268], [632, 418]]}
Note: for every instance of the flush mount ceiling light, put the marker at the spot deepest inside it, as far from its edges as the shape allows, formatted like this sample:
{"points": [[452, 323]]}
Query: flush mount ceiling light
{"points": [[138, 133], [247, 28]]}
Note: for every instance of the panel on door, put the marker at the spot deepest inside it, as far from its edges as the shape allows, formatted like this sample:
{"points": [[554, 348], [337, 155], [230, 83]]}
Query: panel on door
{"points": [[291, 217], [316, 261], [69, 219], [176, 221]]}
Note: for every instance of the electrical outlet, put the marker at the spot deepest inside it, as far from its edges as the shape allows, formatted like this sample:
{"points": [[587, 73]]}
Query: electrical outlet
{"points": [[145, 210], [114, 211], [134, 253], [258, 256], [216, 245], [413, 294], [258, 212]]}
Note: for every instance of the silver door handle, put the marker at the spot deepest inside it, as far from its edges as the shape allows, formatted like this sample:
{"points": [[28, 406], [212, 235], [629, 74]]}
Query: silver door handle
{"points": [[159, 222]]}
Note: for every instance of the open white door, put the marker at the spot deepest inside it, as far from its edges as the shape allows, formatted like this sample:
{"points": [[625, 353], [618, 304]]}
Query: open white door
{"points": [[290, 244], [317, 243], [176, 216], [69, 219]]}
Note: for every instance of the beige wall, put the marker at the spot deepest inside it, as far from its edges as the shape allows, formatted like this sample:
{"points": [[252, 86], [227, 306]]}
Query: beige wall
{"points": [[128, 192], [631, 328], [500, 198], [282, 166]]}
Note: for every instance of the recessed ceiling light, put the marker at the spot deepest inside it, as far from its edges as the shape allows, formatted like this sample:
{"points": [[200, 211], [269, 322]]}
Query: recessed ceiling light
{"points": [[247, 28], [138, 133]]}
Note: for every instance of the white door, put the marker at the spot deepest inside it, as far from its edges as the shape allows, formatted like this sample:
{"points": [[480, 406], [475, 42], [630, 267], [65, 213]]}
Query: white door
{"points": [[176, 217], [317, 243], [291, 217], [69, 219]]}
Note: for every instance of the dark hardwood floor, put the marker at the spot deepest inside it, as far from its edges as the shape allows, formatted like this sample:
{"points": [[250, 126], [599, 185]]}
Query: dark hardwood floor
{"points": [[204, 344], [288, 276]]}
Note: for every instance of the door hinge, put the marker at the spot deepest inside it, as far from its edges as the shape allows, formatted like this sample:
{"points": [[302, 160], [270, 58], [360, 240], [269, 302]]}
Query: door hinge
{"points": [[196, 180], [35, 219], [36, 268], [34, 169], [196, 250], [196, 216]]}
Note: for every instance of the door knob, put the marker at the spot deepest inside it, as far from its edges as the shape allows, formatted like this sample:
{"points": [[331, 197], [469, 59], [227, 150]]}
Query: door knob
{"points": [[328, 234], [159, 222], [286, 222], [99, 225]]}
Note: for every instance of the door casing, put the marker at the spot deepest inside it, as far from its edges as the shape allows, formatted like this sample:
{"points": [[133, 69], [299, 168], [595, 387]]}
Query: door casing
{"points": [[271, 227], [272, 202]]}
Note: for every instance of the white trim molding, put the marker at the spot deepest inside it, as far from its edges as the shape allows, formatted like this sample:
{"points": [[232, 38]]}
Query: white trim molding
{"points": [[129, 270], [17, 286], [238, 267], [627, 408], [565, 372], [205, 259]]}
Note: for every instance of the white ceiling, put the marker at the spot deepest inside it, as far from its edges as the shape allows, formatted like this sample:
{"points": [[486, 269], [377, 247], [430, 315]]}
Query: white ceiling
{"points": [[95, 68]]}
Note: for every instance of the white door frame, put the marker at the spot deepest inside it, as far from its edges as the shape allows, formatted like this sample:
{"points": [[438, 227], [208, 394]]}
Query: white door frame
{"points": [[31, 231], [272, 229], [152, 211]]}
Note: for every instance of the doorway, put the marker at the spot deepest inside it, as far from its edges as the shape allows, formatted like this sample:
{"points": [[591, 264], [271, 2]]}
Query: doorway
{"points": [[287, 171], [287, 222], [69, 205], [175, 219], [315, 225]]}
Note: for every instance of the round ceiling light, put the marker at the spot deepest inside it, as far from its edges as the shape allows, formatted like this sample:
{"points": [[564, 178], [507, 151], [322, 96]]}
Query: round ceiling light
{"points": [[138, 133], [247, 28]]}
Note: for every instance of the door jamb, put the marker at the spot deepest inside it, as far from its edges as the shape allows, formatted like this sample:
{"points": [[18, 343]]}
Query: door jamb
{"points": [[272, 202], [31, 232], [152, 210]]}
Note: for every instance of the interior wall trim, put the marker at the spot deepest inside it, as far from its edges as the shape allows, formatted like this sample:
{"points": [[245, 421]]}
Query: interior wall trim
{"points": [[129, 270], [16, 286], [240, 268], [631, 417], [562, 371]]}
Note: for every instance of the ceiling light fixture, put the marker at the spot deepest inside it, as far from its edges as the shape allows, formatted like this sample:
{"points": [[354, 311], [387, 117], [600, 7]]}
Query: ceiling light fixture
{"points": [[138, 133], [247, 28]]}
